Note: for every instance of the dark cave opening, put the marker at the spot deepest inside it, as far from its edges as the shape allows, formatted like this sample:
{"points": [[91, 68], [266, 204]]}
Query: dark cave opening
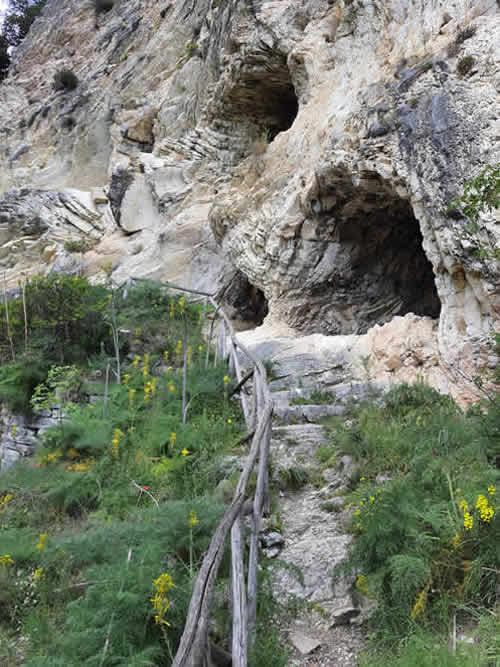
{"points": [[243, 301], [388, 258], [379, 268], [263, 97]]}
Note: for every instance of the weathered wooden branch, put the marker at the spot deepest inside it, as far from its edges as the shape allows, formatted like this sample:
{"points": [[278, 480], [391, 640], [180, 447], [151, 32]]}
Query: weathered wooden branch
{"points": [[242, 382], [193, 646]]}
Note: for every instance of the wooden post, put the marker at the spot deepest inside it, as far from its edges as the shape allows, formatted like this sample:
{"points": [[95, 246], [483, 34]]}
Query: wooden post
{"points": [[9, 333], [23, 288], [239, 599]]}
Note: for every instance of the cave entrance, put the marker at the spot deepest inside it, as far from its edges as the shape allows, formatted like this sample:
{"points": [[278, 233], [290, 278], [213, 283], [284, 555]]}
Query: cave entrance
{"points": [[243, 301], [378, 266], [262, 99]]}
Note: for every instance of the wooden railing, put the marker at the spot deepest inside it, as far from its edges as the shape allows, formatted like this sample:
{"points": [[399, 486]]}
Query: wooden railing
{"points": [[194, 648]]}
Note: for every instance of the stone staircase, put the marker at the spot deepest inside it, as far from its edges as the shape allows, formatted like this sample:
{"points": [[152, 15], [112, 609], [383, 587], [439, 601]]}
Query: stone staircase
{"points": [[312, 537]]}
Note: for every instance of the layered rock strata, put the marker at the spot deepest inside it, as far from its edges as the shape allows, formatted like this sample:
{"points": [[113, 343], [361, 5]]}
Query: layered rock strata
{"points": [[300, 156]]}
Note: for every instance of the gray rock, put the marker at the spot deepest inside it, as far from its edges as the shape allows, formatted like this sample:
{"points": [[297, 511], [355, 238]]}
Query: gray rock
{"points": [[344, 615], [304, 644], [378, 130]]}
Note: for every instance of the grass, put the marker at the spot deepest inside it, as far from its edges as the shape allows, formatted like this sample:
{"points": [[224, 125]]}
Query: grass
{"points": [[119, 495], [316, 397], [427, 541]]}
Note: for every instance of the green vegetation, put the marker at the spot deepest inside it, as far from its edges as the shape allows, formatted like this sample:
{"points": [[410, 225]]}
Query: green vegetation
{"points": [[316, 397], [102, 534], [465, 64], [76, 245], [18, 18], [427, 541], [65, 79]]}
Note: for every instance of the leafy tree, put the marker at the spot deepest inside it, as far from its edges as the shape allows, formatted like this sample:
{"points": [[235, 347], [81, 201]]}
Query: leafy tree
{"points": [[17, 22], [18, 19], [4, 57]]}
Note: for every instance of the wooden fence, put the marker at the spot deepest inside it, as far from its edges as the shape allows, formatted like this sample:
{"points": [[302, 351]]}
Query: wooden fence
{"points": [[194, 648]]}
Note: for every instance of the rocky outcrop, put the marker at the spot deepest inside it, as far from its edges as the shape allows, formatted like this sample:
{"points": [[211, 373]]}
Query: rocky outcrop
{"points": [[19, 435], [299, 157]]}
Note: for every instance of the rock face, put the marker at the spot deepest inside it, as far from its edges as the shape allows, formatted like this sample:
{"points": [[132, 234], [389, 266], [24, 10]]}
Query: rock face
{"points": [[298, 156]]}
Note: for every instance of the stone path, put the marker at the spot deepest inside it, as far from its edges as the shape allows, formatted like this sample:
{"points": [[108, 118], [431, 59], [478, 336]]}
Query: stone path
{"points": [[312, 541]]}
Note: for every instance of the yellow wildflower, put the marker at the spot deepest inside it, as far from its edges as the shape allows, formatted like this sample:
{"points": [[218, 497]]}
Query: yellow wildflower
{"points": [[131, 396], [160, 601], [136, 361], [39, 573], [6, 560], [126, 378], [114, 443], [491, 490], [229, 421], [419, 605], [200, 348], [486, 512], [3, 502], [165, 355], [185, 452], [41, 544], [468, 520], [171, 386], [14, 431], [173, 438], [193, 519], [226, 380]]}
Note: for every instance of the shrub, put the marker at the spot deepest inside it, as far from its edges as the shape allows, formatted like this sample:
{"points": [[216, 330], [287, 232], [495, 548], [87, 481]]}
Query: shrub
{"points": [[464, 65], [65, 79], [465, 33], [427, 539], [77, 245]]}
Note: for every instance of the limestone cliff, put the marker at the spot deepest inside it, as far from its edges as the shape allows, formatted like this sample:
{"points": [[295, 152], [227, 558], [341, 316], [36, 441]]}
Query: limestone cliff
{"points": [[300, 155]]}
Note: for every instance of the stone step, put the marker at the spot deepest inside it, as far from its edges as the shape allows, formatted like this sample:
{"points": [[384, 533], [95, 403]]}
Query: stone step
{"points": [[292, 414]]}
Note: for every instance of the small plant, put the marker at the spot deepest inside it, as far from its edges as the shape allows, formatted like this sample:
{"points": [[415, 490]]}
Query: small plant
{"points": [[294, 478], [466, 33], [465, 64], [77, 245], [65, 79]]}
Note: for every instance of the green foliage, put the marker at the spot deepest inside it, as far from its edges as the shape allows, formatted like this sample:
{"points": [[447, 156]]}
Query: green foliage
{"points": [[18, 380], [294, 477], [426, 540], [480, 194], [465, 64], [18, 19], [65, 319], [65, 79], [424, 650], [76, 245], [62, 384], [317, 397], [267, 649]]}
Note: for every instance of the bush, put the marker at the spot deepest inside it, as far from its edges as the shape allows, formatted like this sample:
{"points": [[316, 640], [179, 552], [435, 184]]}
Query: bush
{"points": [[18, 381], [65, 80], [464, 65], [427, 540]]}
